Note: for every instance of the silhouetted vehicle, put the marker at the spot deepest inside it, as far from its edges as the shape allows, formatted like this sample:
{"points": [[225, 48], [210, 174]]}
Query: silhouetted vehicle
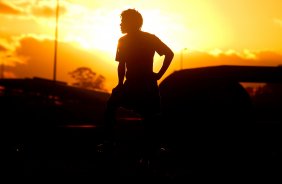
{"points": [[214, 120], [44, 102]]}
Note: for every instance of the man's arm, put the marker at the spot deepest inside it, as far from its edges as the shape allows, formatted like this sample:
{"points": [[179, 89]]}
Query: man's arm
{"points": [[167, 60], [121, 73]]}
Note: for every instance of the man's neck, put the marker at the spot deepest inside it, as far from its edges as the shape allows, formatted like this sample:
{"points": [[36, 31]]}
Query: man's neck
{"points": [[134, 32]]}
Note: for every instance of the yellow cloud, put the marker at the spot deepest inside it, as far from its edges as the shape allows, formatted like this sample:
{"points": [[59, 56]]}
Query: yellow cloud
{"points": [[2, 48], [6, 8], [247, 54], [47, 11]]}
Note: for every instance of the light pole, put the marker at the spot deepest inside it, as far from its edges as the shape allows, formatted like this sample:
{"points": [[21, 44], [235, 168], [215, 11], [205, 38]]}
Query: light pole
{"points": [[181, 58], [56, 42]]}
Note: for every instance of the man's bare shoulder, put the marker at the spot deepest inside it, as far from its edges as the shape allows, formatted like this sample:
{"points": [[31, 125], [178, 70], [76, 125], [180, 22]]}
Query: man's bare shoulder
{"points": [[122, 38], [147, 34]]}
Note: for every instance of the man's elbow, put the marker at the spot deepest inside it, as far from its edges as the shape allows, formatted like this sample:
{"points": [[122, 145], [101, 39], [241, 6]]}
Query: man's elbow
{"points": [[170, 54]]}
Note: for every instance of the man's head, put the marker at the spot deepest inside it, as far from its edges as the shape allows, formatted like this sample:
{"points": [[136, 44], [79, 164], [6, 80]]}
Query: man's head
{"points": [[131, 21]]}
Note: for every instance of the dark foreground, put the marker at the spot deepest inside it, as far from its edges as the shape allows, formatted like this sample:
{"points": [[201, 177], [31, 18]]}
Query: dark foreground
{"points": [[72, 151]]}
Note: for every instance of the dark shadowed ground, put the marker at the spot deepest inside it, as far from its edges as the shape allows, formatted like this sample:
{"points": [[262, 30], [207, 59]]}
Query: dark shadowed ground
{"points": [[212, 127]]}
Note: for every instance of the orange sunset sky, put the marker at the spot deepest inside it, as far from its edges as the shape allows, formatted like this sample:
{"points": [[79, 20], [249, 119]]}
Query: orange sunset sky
{"points": [[215, 32]]}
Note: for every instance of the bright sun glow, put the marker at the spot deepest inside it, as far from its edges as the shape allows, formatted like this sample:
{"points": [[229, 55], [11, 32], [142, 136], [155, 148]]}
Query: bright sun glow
{"points": [[101, 31], [92, 31]]}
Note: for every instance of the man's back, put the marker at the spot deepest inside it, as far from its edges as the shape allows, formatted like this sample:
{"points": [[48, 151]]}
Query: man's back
{"points": [[137, 51]]}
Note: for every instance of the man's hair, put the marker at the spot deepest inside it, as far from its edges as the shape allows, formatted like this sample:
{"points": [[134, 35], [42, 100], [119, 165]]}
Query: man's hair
{"points": [[132, 17]]}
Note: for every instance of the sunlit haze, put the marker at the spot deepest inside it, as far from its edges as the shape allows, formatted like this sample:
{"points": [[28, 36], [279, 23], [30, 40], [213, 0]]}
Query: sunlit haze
{"points": [[205, 33]]}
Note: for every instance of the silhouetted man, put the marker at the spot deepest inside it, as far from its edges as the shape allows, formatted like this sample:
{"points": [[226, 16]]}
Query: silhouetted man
{"points": [[137, 87]]}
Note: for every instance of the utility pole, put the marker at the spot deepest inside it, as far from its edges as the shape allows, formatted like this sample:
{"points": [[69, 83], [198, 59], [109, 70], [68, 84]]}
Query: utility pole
{"points": [[56, 43]]}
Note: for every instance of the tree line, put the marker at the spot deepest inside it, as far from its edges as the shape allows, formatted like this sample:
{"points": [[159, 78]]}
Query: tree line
{"points": [[85, 78]]}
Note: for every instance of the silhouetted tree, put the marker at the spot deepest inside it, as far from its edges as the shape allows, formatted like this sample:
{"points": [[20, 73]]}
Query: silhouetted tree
{"points": [[270, 93], [85, 78]]}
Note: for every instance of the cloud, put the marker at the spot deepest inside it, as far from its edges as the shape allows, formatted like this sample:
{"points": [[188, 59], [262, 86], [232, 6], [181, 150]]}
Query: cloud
{"points": [[47, 11], [232, 57], [269, 57], [2, 48], [7, 55], [38, 57], [6, 8], [217, 57], [32, 8]]}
